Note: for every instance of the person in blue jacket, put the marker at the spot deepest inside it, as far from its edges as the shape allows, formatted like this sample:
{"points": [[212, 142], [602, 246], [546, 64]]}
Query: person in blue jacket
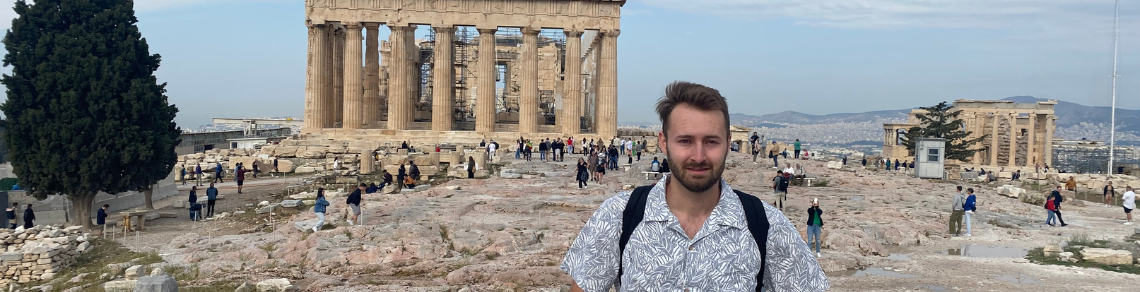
{"points": [[319, 208], [101, 218], [970, 206]]}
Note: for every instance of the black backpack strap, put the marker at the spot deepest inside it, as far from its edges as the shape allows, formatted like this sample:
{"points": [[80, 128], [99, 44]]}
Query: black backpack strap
{"points": [[758, 226], [630, 218]]}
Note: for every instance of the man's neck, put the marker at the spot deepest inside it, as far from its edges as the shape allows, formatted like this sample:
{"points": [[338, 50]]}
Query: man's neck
{"points": [[684, 203]]}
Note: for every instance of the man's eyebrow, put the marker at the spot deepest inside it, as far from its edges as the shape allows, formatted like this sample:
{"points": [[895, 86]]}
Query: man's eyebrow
{"points": [[689, 136]]}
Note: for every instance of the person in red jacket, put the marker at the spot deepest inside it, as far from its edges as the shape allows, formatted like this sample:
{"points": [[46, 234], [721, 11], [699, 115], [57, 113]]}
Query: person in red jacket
{"points": [[1050, 208]]}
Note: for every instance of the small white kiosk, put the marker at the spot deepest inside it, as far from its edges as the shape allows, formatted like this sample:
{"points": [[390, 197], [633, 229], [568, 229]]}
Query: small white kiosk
{"points": [[930, 155]]}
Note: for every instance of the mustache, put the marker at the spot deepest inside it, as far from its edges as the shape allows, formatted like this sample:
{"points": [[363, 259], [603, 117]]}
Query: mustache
{"points": [[705, 164]]}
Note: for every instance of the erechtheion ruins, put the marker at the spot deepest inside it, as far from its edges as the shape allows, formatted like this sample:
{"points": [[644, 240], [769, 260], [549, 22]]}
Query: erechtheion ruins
{"points": [[1028, 127], [493, 69]]}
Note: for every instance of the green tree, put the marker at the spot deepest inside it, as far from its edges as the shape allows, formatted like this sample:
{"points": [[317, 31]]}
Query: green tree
{"points": [[85, 112], [941, 121]]}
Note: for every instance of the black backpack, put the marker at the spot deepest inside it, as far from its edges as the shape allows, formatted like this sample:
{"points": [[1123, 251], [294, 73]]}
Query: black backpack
{"points": [[753, 212]]}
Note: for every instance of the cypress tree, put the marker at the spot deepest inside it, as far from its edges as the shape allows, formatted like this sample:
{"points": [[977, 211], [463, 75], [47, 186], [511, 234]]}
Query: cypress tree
{"points": [[941, 121], [85, 112]]}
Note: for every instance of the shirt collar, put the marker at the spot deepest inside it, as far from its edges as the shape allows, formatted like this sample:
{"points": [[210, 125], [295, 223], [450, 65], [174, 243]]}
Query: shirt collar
{"points": [[728, 211]]}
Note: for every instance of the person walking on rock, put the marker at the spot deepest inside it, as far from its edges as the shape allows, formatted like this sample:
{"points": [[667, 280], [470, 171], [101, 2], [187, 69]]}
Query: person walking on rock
{"points": [[353, 203], [470, 167], [583, 173], [101, 218], [957, 210], [780, 189], [1057, 199], [211, 198], [29, 217], [638, 242], [239, 177], [218, 171], [182, 177], [797, 148], [1049, 210], [969, 206], [1129, 204], [1109, 195], [319, 208], [815, 225], [198, 174]]}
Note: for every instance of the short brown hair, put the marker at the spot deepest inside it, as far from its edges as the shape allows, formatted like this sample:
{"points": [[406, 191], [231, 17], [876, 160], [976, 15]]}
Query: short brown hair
{"points": [[698, 96]]}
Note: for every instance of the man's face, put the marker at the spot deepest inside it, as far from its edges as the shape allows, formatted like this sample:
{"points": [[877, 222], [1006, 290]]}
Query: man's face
{"points": [[697, 147]]}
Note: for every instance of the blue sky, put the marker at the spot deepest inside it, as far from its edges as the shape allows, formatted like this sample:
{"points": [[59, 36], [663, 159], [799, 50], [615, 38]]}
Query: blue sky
{"points": [[245, 58]]}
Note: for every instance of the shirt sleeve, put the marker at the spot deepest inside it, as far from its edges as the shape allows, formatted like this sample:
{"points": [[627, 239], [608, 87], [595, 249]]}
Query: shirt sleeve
{"points": [[594, 258], [789, 264]]}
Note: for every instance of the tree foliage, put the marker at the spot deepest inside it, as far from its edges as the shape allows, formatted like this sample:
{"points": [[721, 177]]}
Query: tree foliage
{"points": [[85, 112], [941, 121]]}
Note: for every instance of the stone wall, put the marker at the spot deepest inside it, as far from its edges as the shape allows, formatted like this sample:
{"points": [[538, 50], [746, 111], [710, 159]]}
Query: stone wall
{"points": [[40, 252]]}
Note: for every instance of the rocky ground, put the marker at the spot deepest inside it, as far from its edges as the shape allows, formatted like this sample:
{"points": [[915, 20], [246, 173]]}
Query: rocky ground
{"points": [[883, 232]]}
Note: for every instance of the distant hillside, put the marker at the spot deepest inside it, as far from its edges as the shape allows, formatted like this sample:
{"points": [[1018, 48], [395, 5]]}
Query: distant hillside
{"points": [[1072, 114], [790, 117]]}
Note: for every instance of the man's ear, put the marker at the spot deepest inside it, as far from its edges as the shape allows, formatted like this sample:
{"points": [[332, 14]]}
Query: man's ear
{"points": [[661, 143]]}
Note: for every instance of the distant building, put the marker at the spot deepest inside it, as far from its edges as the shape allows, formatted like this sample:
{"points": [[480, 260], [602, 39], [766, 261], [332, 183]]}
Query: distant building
{"points": [[200, 142]]}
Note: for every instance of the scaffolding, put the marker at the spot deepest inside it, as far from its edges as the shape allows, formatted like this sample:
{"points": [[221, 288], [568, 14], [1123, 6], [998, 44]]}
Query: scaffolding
{"points": [[463, 41], [426, 63]]}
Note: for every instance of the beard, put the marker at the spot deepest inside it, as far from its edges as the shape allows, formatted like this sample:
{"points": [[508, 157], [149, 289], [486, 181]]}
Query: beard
{"points": [[697, 183]]}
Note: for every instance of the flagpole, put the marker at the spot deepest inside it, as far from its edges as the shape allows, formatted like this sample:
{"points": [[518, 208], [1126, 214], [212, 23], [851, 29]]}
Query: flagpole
{"points": [[1112, 132]]}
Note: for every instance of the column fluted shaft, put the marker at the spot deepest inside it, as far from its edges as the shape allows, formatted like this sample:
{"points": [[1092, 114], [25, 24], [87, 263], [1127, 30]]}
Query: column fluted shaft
{"points": [[442, 93], [607, 87], [485, 99], [337, 108], [994, 140], [398, 79], [372, 75], [528, 97], [572, 100], [315, 79], [1050, 125], [353, 77], [1012, 140], [1031, 157], [413, 69]]}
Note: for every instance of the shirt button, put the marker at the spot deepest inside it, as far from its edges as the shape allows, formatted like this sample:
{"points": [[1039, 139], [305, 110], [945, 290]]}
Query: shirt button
{"points": [[686, 289], [690, 248]]}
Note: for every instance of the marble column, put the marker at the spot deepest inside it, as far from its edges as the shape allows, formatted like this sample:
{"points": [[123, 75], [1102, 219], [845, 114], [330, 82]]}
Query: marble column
{"points": [[1031, 156], [443, 74], [528, 95], [328, 93], [372, 75], [413, 69], [315, 82], [353, 77], [1012, 140], [976, 131], [607, 88], [994, 140], [1050, 126], [338, 77], [572, 98], [485, 99], [398, 79]]}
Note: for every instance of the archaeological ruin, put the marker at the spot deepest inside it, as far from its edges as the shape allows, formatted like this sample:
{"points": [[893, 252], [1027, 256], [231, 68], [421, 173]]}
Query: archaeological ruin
{"points": [[487, 69], [1020, 134]]}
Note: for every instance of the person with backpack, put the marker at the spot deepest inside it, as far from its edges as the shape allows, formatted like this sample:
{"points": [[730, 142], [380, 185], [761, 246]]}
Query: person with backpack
{"points": [[319, 208], [636, 241], [780, 188], [814, 225], [1057, 199], [218, 172], [969, 206], [353, 202]]}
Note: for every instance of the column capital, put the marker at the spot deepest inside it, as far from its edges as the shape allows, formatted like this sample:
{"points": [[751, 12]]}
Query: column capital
{"points": [[371, 25], [610, 32], [352, 24], [399, 27], [445, 28], [572, 33], [531, 30], [487, 30]]}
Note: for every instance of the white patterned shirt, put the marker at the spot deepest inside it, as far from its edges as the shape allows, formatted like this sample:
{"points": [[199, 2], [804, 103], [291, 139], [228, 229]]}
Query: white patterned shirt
{"points": [[659, 256]]}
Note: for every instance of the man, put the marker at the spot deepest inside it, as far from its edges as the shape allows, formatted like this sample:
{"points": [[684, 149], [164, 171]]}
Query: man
{"points": [[1129, 204], [275, 165], [1016, 175], [353, 202], [240, 177], [193, 199], [797, 147], [491, 148], [956, 212], [101, 218], [655, 166], [1109, 195], [970, 206], [211, 198], [864, 162], [775, 158], [780, 189], [754, 138], [1057, 199], [387, 180], [788, 170], [218, 170], [182, 177], [664, 253], [815, 225], [413, 170], [198, 174]]}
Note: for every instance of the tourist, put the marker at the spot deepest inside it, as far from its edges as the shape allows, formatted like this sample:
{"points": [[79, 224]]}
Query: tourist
{"points": [[814, 225], [182, 177], [198, 173], [409, 182], [492, 148], [755, 151], [864, 162], [1109, 195], [1071, 184], [255, 170], [888, 165], [1129, 204], [784, 153], [482, 143], [12, 215], [1057, 199], [471, 167], [570, 144], [218, 171], [101, 218], [372, 188], [754, 138], [556, 148], [1016, 175], [797, 148], [543, 145], [1046, 168], [275, 165], [1049, 210], [583, 174], [387, 179], [969, 206], [211, 198], [413, 170], [400, 174], [655, 166], [775, 158], [353, 203], [844, 160], [695, 199], [239, 177], [336, 164], [897, 164], [319, 208], [29, 217], [665, 165], [613, 156], [519, 150], [629, 147], [957, 210], [788, 170], [194, 200], [780, 188], [601, 170], [526, 150]]}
